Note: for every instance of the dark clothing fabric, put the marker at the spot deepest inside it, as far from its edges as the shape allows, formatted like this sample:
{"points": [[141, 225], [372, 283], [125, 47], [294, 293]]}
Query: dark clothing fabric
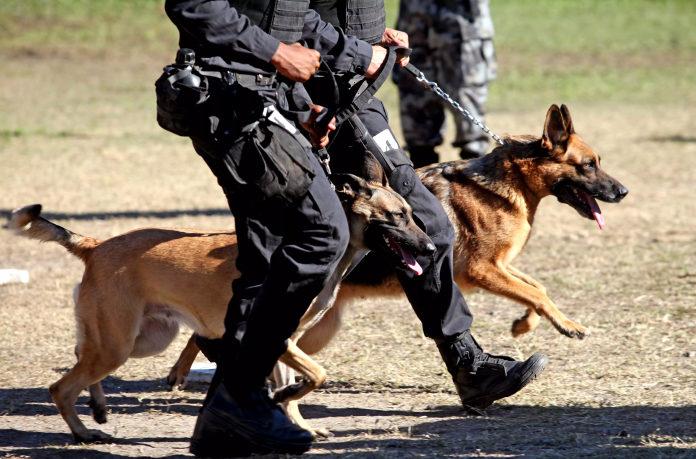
{"points": [[434, 295], [365, 19], [286, 256], [225, 40], [286, 253]]}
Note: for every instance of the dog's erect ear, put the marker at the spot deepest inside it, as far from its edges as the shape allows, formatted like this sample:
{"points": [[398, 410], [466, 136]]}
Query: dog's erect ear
{"points": [[349, 186], [372, 170], [568, 120], [555, 133]]}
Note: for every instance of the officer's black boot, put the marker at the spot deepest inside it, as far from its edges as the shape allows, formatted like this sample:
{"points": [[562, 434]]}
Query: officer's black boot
{"points": [[246, 424], [423, 156], [480, 378]]}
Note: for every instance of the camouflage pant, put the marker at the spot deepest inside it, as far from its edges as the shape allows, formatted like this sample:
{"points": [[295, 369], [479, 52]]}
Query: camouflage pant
{"points": [[463, 70]]}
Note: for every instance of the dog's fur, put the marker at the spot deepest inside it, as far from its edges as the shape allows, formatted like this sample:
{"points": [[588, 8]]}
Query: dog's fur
{"points": [[139, 287], [491, 202]]}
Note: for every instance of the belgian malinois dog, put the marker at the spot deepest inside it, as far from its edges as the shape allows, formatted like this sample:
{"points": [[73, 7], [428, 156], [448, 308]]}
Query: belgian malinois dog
{"points": [[491, 202], [139, 287]]}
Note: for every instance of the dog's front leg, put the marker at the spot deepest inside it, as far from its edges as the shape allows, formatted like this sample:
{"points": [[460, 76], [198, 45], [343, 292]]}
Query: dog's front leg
{"points": [[289, 392], [496, 279], [178, 375], [530, 320]]}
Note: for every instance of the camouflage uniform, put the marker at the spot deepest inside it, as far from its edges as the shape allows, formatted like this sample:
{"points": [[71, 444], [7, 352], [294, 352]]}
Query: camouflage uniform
{"points": [[452, 45]]}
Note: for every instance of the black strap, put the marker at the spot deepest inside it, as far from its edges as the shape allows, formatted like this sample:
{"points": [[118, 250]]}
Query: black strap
{"points": [[410, 68], [302, 116], [372, 88]]}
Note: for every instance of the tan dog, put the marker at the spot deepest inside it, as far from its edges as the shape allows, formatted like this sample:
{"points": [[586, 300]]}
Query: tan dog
{"points": [[139, 287], [491, 202]]}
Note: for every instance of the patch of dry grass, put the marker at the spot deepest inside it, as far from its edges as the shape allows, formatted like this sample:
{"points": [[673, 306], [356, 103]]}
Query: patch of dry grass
{"points": [[92, 147]]}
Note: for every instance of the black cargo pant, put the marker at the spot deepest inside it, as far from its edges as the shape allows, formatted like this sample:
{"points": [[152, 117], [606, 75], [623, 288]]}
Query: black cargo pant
{"points": [[286, 256], [434, 295]]}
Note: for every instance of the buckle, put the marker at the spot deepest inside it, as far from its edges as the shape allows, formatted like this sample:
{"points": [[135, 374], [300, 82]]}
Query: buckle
{"points": [[262, 80], [488, 367]]}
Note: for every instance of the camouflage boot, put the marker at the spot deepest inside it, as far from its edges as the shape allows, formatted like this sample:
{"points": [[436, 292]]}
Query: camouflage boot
{"points": [[481, 378], [473, 150], [423, 156]]}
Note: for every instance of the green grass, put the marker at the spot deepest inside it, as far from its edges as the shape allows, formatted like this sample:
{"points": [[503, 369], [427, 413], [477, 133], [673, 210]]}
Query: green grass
{"points": [[86, 25], [580, 51]]}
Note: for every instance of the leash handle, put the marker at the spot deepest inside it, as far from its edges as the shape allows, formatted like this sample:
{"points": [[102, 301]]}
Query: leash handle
{"points": [[403, 51]]}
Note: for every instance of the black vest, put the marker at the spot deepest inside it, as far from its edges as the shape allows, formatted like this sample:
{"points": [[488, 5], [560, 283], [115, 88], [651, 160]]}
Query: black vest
{"points": [[284, 19], [365, 19]]}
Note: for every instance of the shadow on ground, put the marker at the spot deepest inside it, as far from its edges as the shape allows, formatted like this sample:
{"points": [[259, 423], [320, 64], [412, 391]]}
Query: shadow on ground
{"points": [[444, 431]]}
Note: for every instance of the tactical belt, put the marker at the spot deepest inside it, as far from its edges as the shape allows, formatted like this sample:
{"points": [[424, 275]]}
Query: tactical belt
{"points": [[244, 79]]}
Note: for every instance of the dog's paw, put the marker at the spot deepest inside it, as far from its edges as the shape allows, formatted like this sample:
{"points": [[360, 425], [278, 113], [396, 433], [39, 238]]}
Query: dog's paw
{"points": [[523, 325], [177, 380], [98, 412], [93, 436], [573, 330], [320, 433]]}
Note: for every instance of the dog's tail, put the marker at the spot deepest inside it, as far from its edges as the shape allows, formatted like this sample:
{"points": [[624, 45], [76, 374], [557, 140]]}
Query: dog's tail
{"points": [[27, 221]]}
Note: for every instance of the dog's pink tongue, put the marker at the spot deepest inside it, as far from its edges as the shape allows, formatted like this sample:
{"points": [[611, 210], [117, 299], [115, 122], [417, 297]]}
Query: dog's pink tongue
{"points": [[406, 255], [411, 262], [596, 211]]}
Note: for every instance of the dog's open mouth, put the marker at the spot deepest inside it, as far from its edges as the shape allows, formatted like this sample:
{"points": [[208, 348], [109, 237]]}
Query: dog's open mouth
{"points": [[586, 205], [406, 258]]}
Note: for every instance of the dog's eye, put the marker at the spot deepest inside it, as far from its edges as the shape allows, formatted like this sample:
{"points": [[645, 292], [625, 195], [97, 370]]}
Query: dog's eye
{"points": [[590, 164], [399, 215]]}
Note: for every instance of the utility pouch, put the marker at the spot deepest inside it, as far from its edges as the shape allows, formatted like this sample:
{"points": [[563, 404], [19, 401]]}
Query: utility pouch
{"points": [[268, 163], [182, 94]]}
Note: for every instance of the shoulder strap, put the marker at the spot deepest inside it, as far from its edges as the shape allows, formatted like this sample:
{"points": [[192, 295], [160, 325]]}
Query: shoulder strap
{"points": [[372, 88]]}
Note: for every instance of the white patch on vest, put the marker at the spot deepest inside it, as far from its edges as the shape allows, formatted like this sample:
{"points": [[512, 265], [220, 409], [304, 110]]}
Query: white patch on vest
{"points": [[386, 141], [280, 120]]}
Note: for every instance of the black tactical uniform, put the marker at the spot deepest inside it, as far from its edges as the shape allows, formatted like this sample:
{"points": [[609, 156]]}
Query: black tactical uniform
{"points": [[479, 377], [286, 252]]}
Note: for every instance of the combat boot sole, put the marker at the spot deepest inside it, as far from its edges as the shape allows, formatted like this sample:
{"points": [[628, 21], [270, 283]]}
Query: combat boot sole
{"points": [[531, 369], [216, 435], [208, 441]]}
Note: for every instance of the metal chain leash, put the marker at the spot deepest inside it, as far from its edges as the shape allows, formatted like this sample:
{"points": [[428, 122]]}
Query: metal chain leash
{"points": [[436, 89]]}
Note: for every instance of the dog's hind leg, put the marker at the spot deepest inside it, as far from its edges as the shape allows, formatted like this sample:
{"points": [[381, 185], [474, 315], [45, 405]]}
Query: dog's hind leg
{"points": [[178, 375], [105, 340], [97, 402], [92, 367]]}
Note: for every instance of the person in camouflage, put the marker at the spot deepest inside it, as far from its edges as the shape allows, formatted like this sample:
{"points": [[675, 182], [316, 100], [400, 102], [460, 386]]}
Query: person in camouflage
{"points": [[452, 42]]}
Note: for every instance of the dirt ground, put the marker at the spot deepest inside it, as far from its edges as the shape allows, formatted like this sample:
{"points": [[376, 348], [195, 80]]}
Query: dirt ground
{"points": [[82, 141]]}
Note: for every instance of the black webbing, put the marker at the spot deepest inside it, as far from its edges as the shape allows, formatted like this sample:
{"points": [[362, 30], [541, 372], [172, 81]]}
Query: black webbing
{"points": [[360, 101]]}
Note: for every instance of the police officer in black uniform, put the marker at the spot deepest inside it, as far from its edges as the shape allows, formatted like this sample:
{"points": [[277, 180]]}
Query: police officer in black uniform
{"points": [[480, 378], [288, 248], [287, 253]]}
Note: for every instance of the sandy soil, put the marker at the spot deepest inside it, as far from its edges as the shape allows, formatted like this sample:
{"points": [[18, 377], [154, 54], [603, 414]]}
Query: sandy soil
{"points": [[92, 154]]}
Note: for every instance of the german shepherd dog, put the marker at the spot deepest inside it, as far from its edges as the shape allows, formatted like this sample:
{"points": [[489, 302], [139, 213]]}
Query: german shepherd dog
{"points": [[140, 286], [491, 202]]}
